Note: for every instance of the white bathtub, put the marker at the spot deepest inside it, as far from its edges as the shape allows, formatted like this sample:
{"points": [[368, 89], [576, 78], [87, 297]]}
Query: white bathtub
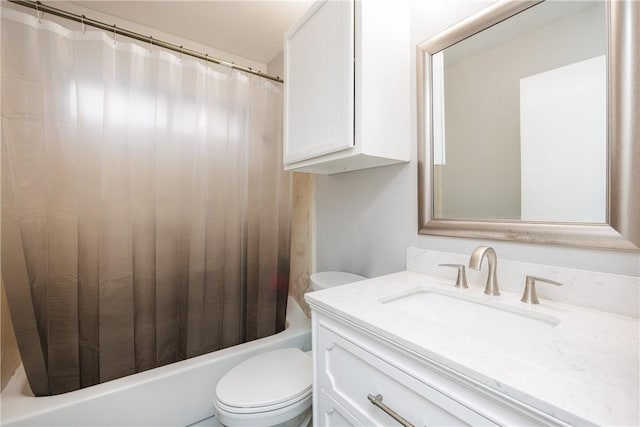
{"points": [[179, 394]]}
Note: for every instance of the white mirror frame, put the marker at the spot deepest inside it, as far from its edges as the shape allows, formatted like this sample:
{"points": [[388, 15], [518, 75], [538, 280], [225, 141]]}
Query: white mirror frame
{"points": [[622, 229]]}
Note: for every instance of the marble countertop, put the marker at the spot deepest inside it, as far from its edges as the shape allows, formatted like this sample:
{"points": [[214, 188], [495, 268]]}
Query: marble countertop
{"points": [[585, 370]]}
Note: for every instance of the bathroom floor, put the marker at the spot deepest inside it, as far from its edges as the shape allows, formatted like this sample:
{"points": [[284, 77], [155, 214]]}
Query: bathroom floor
{"points": [[207, 422]]}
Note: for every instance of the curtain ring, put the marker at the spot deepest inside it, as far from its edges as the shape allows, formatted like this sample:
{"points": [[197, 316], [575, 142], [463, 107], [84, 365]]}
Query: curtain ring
{"points": [[180, 53], [83, 25], [114, 34], [150, 44], [38, 13]]}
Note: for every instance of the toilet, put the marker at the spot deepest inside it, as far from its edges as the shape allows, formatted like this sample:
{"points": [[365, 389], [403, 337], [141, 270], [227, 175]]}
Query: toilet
{"points": [[273, 388]]}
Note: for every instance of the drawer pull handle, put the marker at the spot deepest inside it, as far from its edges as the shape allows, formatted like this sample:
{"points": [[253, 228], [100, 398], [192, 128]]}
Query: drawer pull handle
{"points": [[377, 401]]}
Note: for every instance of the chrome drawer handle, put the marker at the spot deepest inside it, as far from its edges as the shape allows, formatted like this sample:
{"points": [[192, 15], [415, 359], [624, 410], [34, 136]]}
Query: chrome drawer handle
{"points": [[377, 401]]}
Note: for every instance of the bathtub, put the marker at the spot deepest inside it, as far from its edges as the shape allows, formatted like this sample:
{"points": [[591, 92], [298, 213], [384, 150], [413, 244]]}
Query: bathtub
{"points": [[179, 394]]}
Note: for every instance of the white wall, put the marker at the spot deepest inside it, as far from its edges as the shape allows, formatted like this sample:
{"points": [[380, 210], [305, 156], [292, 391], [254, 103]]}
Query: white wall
{"points": [[366, 219], [129, 25], [276, 66]]}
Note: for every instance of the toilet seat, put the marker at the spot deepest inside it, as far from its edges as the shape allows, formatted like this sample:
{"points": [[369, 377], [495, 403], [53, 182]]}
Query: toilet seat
{"points": [[300, 411], [261, 409], [266, 382]]}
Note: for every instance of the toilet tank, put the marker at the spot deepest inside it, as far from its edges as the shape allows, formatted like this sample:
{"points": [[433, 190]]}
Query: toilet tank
{"points": [[328, 279]]}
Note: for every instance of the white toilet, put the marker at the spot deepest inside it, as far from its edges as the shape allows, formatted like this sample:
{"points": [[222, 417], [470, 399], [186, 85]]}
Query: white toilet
{"points": [[273, 388]]}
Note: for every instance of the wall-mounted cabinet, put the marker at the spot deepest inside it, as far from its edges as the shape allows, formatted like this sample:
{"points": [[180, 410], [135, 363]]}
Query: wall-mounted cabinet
{"points": [[347, 87]]}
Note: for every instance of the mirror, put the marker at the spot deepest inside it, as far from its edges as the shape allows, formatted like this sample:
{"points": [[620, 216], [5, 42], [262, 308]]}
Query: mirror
{"points": [[532, 143], [526, 127]]}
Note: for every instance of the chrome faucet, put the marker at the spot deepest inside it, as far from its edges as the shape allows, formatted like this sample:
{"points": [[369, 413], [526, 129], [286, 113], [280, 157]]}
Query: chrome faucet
{"points": [[476, 261]]}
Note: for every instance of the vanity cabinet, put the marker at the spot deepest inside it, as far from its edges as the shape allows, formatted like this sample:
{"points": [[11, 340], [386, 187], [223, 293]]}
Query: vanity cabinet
{"points": [[351, 363], [346, 96]]}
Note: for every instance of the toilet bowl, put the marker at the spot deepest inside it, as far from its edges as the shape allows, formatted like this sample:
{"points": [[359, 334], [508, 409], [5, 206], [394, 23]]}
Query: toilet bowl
{"points": [[273, 388]]}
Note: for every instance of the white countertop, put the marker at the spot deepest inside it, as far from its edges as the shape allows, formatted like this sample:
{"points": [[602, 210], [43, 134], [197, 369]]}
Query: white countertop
{"points": [[585, 370]]}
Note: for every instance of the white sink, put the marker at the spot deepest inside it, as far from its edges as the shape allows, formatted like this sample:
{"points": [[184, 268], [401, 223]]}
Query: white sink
{"points": [[475, 316]]}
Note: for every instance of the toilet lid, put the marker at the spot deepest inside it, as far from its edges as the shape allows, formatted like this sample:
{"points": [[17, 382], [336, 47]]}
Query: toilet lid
{"points": [[267, 379]]}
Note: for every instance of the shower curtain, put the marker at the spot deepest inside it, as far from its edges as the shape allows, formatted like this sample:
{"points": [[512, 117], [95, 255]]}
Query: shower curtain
{"points": [[145, 216]]}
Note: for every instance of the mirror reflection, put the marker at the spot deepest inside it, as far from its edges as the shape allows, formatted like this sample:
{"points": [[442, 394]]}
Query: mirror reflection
{"points": [[520, 118]]}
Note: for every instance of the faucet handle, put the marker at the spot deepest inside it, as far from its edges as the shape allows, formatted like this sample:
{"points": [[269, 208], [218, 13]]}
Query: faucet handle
{"points": [[529, 296], [461, 280]]}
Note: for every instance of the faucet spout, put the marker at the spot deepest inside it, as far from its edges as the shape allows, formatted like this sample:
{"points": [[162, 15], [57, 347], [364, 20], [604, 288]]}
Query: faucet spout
{"points": [[475, 262]]}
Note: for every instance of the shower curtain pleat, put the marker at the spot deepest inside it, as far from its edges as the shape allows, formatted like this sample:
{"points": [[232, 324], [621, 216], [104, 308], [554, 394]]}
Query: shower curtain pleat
{"points": [[273, 130], [218, 96], [145, 213], [268, 226], [89, 219], [234, 198], [168, 215], [90, 156], [14, 270], [143, 155]]}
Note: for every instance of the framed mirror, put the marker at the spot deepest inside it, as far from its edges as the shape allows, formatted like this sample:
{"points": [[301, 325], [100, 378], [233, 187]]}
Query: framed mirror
{"points": [[529, 125]]}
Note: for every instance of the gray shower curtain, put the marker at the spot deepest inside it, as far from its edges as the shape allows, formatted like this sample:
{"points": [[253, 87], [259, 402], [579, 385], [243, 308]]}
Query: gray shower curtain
{"points": [[145, 214]]}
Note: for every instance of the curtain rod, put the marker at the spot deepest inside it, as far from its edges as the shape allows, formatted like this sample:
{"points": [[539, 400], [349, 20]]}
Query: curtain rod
{"points": [[41, 8]]}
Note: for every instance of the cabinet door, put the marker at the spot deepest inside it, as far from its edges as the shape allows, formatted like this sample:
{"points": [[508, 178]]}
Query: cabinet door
{"points": [[331, 414], [319, 82]]}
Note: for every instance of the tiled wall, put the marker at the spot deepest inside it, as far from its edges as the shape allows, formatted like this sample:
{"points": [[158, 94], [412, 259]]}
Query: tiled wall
{"points": [[302, 240]]}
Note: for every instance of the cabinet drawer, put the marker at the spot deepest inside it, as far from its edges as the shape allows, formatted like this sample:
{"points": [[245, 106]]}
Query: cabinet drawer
{"points": [[349, 374]]}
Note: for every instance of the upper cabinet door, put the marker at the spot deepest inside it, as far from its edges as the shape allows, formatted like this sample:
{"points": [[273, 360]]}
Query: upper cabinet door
{"points": [[319, 87]]}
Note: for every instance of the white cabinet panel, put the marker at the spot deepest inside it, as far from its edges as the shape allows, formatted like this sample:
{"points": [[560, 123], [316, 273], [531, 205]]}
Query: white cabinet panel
{"points": [[319, 82], [347, 101]]}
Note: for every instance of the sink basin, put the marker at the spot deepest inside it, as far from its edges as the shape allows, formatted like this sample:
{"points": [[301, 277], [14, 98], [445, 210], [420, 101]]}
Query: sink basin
{"points": [[477, 317]]}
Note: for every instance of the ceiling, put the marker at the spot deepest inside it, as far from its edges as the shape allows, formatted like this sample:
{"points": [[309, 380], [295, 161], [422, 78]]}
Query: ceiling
{"points": [[252, 29]]}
